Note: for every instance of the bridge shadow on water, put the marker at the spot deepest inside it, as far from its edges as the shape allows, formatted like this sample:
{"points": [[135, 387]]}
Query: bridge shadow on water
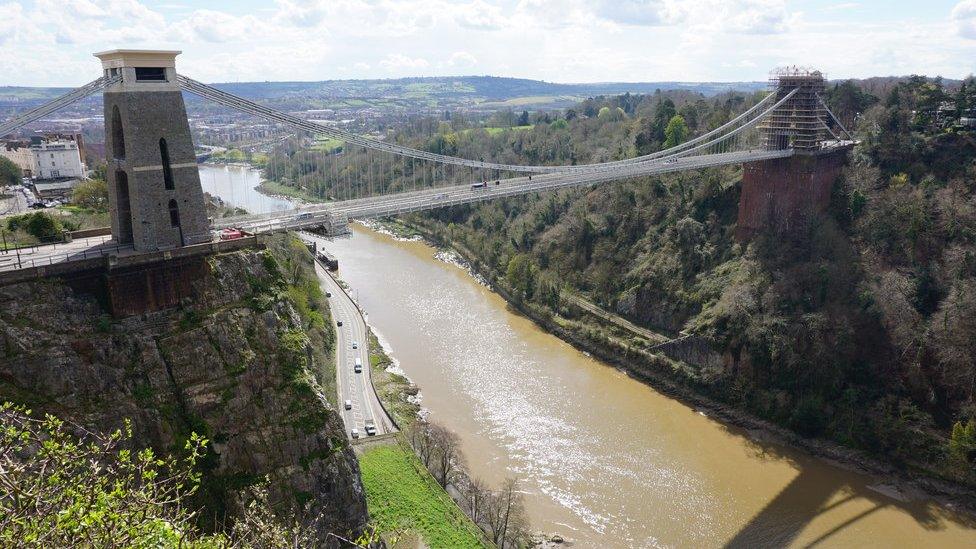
{"points": [[819, 488]]}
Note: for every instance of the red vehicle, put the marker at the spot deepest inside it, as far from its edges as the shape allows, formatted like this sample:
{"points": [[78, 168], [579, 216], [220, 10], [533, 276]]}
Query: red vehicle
{"points": [[231, 234]]}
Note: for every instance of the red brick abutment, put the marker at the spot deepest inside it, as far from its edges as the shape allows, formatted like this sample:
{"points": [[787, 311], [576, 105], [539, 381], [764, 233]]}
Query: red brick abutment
{"points": [[138, 283], [784, 194]]}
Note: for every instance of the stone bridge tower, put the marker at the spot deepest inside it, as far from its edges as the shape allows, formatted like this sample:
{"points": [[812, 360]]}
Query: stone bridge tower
{"points": [[782, 195], [155, 198]]}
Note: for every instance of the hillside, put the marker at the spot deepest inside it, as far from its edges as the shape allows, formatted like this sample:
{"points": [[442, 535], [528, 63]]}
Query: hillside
{"points": [[857, 327], [246, 362], [433, 92]]}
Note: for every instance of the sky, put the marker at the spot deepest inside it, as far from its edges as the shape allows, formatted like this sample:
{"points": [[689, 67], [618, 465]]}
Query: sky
{"points": [[50, 42]]}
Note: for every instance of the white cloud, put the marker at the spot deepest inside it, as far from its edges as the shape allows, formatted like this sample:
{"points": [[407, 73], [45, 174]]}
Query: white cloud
{"points": [[400, 61], [636, 12], [12, 20], [462, 59], [557, 40], [964, 17], [217, 26], [479, 15]]}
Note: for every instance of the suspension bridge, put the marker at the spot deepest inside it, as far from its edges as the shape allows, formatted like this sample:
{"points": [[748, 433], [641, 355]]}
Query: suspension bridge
{"points": [[156, 201]]}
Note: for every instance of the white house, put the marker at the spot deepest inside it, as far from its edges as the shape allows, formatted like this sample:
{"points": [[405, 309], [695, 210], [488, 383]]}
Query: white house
{"points": [[57, 159]]}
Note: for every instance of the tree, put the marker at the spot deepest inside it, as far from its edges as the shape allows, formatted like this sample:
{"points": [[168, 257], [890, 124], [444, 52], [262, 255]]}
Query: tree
{"points": [[91, 490], [847, 100], [10, 173], [962, 446], [676, 132], [91, 194], [421, 438], [447, 462], [40, 225], [234, 155], [521, 276], [523, 119], [505, 515], [663, 113]]}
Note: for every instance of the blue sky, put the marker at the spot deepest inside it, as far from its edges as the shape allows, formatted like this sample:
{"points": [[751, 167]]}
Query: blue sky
{"points": [[49, 42]]}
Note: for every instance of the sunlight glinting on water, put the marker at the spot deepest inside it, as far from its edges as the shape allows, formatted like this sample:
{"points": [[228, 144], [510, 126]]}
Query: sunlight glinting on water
{"points": [[601, 458]]}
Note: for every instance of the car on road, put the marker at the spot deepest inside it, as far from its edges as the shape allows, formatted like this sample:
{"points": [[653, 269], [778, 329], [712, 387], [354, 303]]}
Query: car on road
{"points": [[338, 323], [328, 294], [355, 344], [301, 217], [354, 433], [348, 405], [358, 368], [481, 185], [370, 427]]}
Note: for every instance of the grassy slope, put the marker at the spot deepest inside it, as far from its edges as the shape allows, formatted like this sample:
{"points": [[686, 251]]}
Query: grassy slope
{"points": [[275, 188], [390, 387], [401, 495]]}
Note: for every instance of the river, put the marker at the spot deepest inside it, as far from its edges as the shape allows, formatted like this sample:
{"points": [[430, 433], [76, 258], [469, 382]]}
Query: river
{"points": [[605, 460], [236, 186]]}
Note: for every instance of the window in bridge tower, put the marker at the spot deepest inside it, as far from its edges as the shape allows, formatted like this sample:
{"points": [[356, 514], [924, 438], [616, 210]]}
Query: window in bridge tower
{"points": [[150, 74], [174, 214], [118, 135], [167, 169]]}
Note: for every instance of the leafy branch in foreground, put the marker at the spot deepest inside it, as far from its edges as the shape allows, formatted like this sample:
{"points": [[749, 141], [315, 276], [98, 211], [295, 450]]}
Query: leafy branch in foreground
{"points": [[64, 486]]}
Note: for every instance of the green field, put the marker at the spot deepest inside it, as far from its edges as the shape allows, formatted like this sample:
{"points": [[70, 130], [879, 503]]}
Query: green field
{"points": [[275, 188], [495, 130], [532, 100], [402, 497], [326, 144]]}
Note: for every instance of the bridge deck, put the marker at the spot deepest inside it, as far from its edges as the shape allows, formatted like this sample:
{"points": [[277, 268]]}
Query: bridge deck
{"points": [[399, 203]]}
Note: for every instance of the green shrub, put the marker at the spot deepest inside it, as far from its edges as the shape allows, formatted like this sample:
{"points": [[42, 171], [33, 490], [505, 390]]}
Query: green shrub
{"points": [[40, 225]]}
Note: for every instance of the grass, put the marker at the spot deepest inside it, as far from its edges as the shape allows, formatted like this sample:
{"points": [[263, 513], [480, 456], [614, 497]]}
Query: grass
{"points": [[402, 496], [390, 387], [495, 130], [326, 144], [275, 188], [534, 100], [78, 218]]}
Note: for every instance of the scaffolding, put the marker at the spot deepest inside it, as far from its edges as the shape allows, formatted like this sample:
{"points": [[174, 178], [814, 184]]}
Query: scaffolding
{"points": [[798, 122]]}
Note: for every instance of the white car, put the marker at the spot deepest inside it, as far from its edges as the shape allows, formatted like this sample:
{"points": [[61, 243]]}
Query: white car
{"points": [[354, 433], [355, 344], [348, 405]]}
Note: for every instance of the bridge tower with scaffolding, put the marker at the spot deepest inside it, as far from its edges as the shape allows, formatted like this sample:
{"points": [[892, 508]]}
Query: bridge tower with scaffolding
{"points": [[782, 195], [155, 198]]}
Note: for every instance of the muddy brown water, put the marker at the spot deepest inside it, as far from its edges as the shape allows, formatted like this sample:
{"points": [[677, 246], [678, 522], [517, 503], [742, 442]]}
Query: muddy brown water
{"points": [[605, 460]]}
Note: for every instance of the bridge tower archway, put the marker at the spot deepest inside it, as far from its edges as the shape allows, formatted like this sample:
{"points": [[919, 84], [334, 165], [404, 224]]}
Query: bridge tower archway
{"points": [[123, 209]]}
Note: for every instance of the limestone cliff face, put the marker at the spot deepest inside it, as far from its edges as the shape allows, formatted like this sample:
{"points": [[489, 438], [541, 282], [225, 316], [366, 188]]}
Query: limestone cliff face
{"points": [[233, 362]]}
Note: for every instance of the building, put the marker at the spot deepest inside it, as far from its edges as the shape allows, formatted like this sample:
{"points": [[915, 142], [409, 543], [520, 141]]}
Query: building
{"points": [[53, 188], [57, 158], [155, 198], [19, 152]]}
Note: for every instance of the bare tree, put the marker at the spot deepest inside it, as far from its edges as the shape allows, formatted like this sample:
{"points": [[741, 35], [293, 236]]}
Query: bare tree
{"points": [[505, 517], [447, 459], [421, 440], [476, 499]]}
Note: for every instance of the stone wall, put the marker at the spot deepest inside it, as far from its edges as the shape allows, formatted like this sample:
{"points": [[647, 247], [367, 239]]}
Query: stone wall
{"points": [[144, 118]]}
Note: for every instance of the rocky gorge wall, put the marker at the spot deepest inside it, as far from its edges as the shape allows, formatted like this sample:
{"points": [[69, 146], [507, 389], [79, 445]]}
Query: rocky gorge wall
{"points": [[233, 362]]}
